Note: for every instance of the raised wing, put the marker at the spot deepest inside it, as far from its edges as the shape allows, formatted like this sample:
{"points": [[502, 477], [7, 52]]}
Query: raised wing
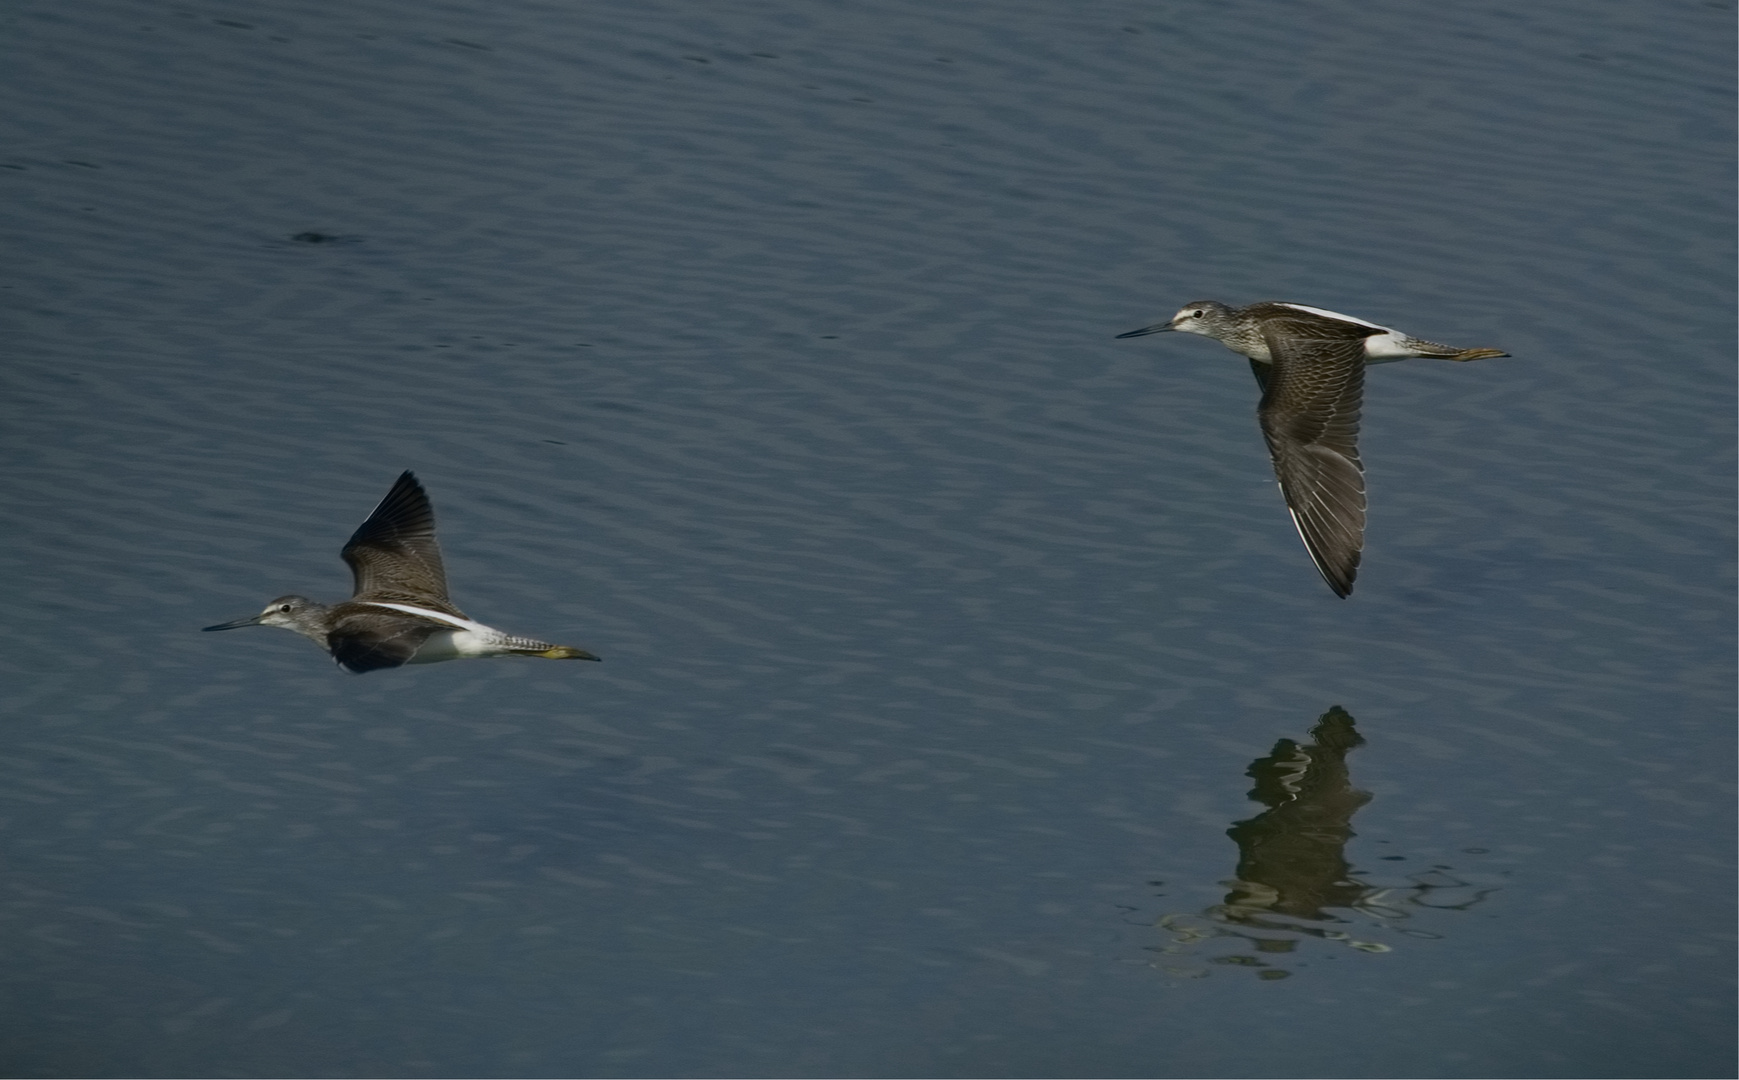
{"points": [[1310, 417], [393, 554]]}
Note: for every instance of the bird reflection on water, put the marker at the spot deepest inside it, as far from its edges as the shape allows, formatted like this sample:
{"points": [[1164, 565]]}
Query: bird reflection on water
{"points": [[1293, 876]]}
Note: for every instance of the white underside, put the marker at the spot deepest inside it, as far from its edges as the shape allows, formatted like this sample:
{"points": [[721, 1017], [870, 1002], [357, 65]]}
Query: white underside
{"points": [[451, 645], [1391, 344], [467, 640]]}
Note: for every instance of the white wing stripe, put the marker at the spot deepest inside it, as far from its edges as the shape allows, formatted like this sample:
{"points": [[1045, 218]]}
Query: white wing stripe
{"points": [[1336, 315], [438, 616]]}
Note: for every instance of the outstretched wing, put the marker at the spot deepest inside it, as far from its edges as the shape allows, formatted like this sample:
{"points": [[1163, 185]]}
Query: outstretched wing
{"points": [[372, 640], [393, 554], [1310, 417]]}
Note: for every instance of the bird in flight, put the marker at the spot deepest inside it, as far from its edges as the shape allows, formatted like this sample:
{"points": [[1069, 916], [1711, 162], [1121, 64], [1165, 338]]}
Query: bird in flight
{"points": [[1310, 364], [399, 612]]}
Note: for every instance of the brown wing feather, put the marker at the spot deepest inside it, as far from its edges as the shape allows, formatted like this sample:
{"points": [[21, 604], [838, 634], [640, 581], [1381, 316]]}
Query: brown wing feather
{"points": [[393, 554], [377, 646], [1262, 372], [1310, 417]]}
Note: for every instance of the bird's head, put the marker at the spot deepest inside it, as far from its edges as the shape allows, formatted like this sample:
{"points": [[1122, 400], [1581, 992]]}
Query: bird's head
{"points": [[1205, 317], [292, 612]]}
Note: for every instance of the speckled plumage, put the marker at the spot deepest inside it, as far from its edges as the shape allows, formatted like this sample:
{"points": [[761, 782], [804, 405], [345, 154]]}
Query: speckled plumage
{"points": [[1310, 364]]}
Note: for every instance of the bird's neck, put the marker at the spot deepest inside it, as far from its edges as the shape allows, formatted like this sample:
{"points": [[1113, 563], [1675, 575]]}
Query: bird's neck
{"points": [[313, 622]]}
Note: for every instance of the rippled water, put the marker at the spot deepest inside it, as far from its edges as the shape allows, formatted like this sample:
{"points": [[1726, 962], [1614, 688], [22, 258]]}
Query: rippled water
{"points": [[969, 707]]}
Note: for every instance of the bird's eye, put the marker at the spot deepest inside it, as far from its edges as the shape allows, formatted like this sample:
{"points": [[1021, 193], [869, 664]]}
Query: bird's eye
{"points": [[1195, 314], [285, 608]]}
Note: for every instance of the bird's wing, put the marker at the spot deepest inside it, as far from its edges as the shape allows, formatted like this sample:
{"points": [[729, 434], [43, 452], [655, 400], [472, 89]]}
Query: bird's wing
{"points": [[1262, 372], [377, 639], [393, 554], [1310, 416]]}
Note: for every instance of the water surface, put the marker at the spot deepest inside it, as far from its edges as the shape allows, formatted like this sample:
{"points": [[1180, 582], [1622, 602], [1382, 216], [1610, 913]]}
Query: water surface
{"points": [[969, 706]]}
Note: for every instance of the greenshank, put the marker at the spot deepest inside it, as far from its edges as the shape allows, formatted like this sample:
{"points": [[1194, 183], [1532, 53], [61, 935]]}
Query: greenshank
{"points": [[1310, 364], [399, 612]]}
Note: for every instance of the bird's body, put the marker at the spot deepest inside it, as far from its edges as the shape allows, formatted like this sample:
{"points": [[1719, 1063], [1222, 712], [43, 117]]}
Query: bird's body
{"points": [[399, 612], [1310, 364]]}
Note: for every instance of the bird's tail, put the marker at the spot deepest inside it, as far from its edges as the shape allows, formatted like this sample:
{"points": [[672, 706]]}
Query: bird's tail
{"points": [[557, 652]]}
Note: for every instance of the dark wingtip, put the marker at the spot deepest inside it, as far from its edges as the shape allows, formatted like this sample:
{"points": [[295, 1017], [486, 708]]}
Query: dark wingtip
{"points": [[1342, 584], [407, 479], [1339, 582], [405, 506]]}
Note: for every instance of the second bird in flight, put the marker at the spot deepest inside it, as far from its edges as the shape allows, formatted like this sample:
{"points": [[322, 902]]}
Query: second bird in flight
{"points": [[1311, 367]]}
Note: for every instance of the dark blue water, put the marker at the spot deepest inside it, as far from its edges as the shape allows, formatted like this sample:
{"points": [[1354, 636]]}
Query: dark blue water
{"points": [[969, 706]]}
